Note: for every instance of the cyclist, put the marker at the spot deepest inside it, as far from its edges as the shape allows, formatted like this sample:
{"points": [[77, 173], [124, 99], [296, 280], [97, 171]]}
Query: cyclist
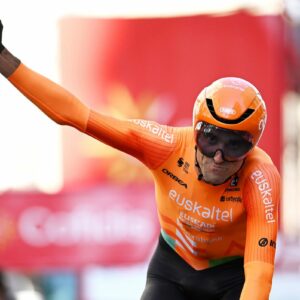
{"points": [[217, 192]]}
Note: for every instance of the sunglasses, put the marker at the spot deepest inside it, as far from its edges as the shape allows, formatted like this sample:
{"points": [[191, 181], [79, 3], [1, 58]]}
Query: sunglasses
{"points": [[233, 144]]}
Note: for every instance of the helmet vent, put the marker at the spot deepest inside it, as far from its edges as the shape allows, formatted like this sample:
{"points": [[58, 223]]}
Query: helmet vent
{"points": [[243, 117]]}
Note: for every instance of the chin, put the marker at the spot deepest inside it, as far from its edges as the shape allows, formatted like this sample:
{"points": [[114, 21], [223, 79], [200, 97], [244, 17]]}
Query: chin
{"points": [[214, 179]]}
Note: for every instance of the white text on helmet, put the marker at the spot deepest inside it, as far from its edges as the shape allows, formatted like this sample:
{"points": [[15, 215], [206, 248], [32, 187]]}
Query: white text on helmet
{"points": [[227, 110]]}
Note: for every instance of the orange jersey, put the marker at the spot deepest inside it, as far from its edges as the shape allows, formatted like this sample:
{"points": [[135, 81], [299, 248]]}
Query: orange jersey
{"points": [[205, 224]]}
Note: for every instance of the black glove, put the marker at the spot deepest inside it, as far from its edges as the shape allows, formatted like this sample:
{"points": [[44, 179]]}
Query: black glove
{"points": [[1, 29], [8, 62]]}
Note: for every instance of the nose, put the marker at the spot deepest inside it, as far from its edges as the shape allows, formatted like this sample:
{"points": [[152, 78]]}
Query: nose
{"points": [[218, 157]]}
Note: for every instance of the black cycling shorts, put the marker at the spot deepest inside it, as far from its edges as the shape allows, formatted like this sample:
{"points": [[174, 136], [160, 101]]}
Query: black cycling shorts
{"points": [[170, 277]]}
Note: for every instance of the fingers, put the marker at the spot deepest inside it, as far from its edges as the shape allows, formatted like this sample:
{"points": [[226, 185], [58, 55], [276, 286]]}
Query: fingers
{"points": [[1, 29]]}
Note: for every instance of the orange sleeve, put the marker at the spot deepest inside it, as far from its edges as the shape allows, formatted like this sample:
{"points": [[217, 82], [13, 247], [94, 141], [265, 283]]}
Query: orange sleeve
{"points": [[57, 103], [262, 192], [148, 141]]}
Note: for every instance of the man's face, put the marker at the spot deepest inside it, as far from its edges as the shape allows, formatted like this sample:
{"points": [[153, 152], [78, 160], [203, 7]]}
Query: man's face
{"points": [[214, 169]]}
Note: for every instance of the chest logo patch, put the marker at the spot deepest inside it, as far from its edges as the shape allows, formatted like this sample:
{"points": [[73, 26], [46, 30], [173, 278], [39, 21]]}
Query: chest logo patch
{"points": [[230, 198], [174, 177], [183, 164]]}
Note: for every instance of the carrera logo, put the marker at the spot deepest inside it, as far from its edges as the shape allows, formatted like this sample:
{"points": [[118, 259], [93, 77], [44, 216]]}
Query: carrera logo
{"points": [[174, 177]]}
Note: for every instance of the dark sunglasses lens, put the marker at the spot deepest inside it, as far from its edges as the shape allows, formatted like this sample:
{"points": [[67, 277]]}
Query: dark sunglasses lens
{"points": [[208, 141], [234, 145], [236, 148]]}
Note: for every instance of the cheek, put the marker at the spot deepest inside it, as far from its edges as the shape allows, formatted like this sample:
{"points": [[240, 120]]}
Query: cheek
{"points": [[202, 160], [205, 163], [236, 166]]}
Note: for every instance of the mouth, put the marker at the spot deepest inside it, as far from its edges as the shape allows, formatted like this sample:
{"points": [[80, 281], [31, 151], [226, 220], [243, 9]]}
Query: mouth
{"points": [[218, 167]]}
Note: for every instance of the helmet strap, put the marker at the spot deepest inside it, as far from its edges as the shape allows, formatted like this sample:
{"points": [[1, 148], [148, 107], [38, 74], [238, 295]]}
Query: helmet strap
{"points": [[200, 175]]}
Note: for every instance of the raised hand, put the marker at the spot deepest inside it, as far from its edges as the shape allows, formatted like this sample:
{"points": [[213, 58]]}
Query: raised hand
{"points": [[1, 29], [8, 62]]}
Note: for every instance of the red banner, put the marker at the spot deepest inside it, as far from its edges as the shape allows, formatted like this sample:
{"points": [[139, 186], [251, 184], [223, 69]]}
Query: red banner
{"points": [[111, 225]]}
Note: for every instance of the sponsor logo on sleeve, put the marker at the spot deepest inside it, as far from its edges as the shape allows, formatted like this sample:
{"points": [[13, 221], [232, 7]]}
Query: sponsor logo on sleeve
{"points": [[156, 129], [263, 242], [273, 244], [265, 191]]}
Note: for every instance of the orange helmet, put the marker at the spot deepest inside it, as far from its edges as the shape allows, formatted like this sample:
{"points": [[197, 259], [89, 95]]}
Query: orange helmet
{"points": [[231, 103]]}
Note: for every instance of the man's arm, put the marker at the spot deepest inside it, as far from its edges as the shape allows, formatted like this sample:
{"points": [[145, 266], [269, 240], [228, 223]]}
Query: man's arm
{"points": [[262, 193], [147, 141], [56, 102]]}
